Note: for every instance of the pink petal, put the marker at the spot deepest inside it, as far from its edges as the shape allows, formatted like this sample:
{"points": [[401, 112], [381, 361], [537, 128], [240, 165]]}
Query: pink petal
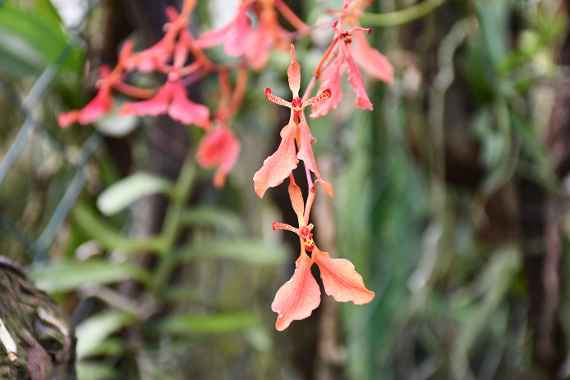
{"points": [[99, 105], [233, 43], [340, 279], [214, 37], [294, 73], [371, 60], [219, 148], [331, 79], [306, 153], [232, 35], [259, 45], [153, 58], [298, 297], [279, 165], [296, 199], [356, 82], [65, 119], [186, 111], [156, 105]]}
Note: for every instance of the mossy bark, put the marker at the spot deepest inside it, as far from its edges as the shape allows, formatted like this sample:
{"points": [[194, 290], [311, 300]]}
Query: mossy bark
{"points": [[36, 341]]}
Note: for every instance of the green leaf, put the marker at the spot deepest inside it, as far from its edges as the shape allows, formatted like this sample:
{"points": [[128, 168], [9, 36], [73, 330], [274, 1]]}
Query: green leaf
{"points": [[95, 331], [213, 216], [66, 276], [250, 251], [45, 35], [116, 125], [108, 237], [123, 193], [92, 371], [209, 324]]}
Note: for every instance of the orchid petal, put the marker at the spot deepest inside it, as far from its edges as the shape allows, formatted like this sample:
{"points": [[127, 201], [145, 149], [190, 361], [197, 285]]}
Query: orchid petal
{"points": [[219, 148], [99, 105], [356, 82], [306, 153], [65, 119], [340, 279], [371, 60], [155, 106], [186, 111], [279, 165], [331, 81], [294, 73], [296, 199], [298, 297]]}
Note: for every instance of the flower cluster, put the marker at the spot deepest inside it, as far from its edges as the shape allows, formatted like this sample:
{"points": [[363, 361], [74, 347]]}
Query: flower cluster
{"points": [[251, 36]]}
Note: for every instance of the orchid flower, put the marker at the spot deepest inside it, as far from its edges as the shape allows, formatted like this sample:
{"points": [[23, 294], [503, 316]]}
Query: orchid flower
{"points": [[298, 297], [296, 138]]}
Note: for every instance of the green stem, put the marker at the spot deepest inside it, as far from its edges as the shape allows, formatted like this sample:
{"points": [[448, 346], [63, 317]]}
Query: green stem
{"points": [[172, 223], [402, 16]]}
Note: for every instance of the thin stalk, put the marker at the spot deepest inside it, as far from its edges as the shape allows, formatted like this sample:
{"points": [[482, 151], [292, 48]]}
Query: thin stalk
{"points": [[172, 223], [401, 17]]}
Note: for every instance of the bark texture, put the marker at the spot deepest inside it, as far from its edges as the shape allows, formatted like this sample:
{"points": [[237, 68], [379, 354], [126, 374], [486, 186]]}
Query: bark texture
{"points": [[36, 341]]}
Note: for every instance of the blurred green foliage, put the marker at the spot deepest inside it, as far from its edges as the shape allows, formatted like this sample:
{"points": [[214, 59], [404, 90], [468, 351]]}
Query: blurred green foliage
{"points": [[472, 98]]}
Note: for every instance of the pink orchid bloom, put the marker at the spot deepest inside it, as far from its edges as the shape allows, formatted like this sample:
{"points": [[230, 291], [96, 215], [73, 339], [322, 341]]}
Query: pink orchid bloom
{"points": [[219, 148], [298, 297], [349, 50], [240, 38], [171, 99], [296, 138]]}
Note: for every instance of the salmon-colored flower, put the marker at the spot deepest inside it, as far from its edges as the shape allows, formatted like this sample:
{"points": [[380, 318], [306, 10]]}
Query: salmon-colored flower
{"points": [[241, 38], [171, 99], [103, 101], [98, 106], [296, 138], [219, 148], [348, 50], [156, 56], [299, 296]]}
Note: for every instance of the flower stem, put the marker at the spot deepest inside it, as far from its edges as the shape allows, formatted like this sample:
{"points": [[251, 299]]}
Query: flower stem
{"points": [[402, 16], [172, 223]]}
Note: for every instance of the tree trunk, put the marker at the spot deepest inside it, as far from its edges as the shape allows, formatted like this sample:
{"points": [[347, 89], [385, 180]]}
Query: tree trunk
{"points": [[36, 341]]}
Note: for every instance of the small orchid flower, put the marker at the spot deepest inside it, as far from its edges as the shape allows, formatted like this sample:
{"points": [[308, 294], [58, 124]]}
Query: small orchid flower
{"points": [[298, 297], [103, 101], [171, 98], [296, 138], [220, 147], [241, 38], [350, 49]]}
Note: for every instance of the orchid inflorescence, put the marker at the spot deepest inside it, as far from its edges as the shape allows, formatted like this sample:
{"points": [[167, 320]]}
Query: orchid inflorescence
{"points": [[181, 59]]}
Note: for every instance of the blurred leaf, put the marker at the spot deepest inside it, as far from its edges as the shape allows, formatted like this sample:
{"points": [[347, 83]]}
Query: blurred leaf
{"points": [[209, 324], [259, 338], [493, 285], [45, 35], [46, 9], [125, 192], [105, 235], [66, 276], [116, 125], [94, 331], [17, 59], [250, 251], [213, 216], [89, 371]]}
